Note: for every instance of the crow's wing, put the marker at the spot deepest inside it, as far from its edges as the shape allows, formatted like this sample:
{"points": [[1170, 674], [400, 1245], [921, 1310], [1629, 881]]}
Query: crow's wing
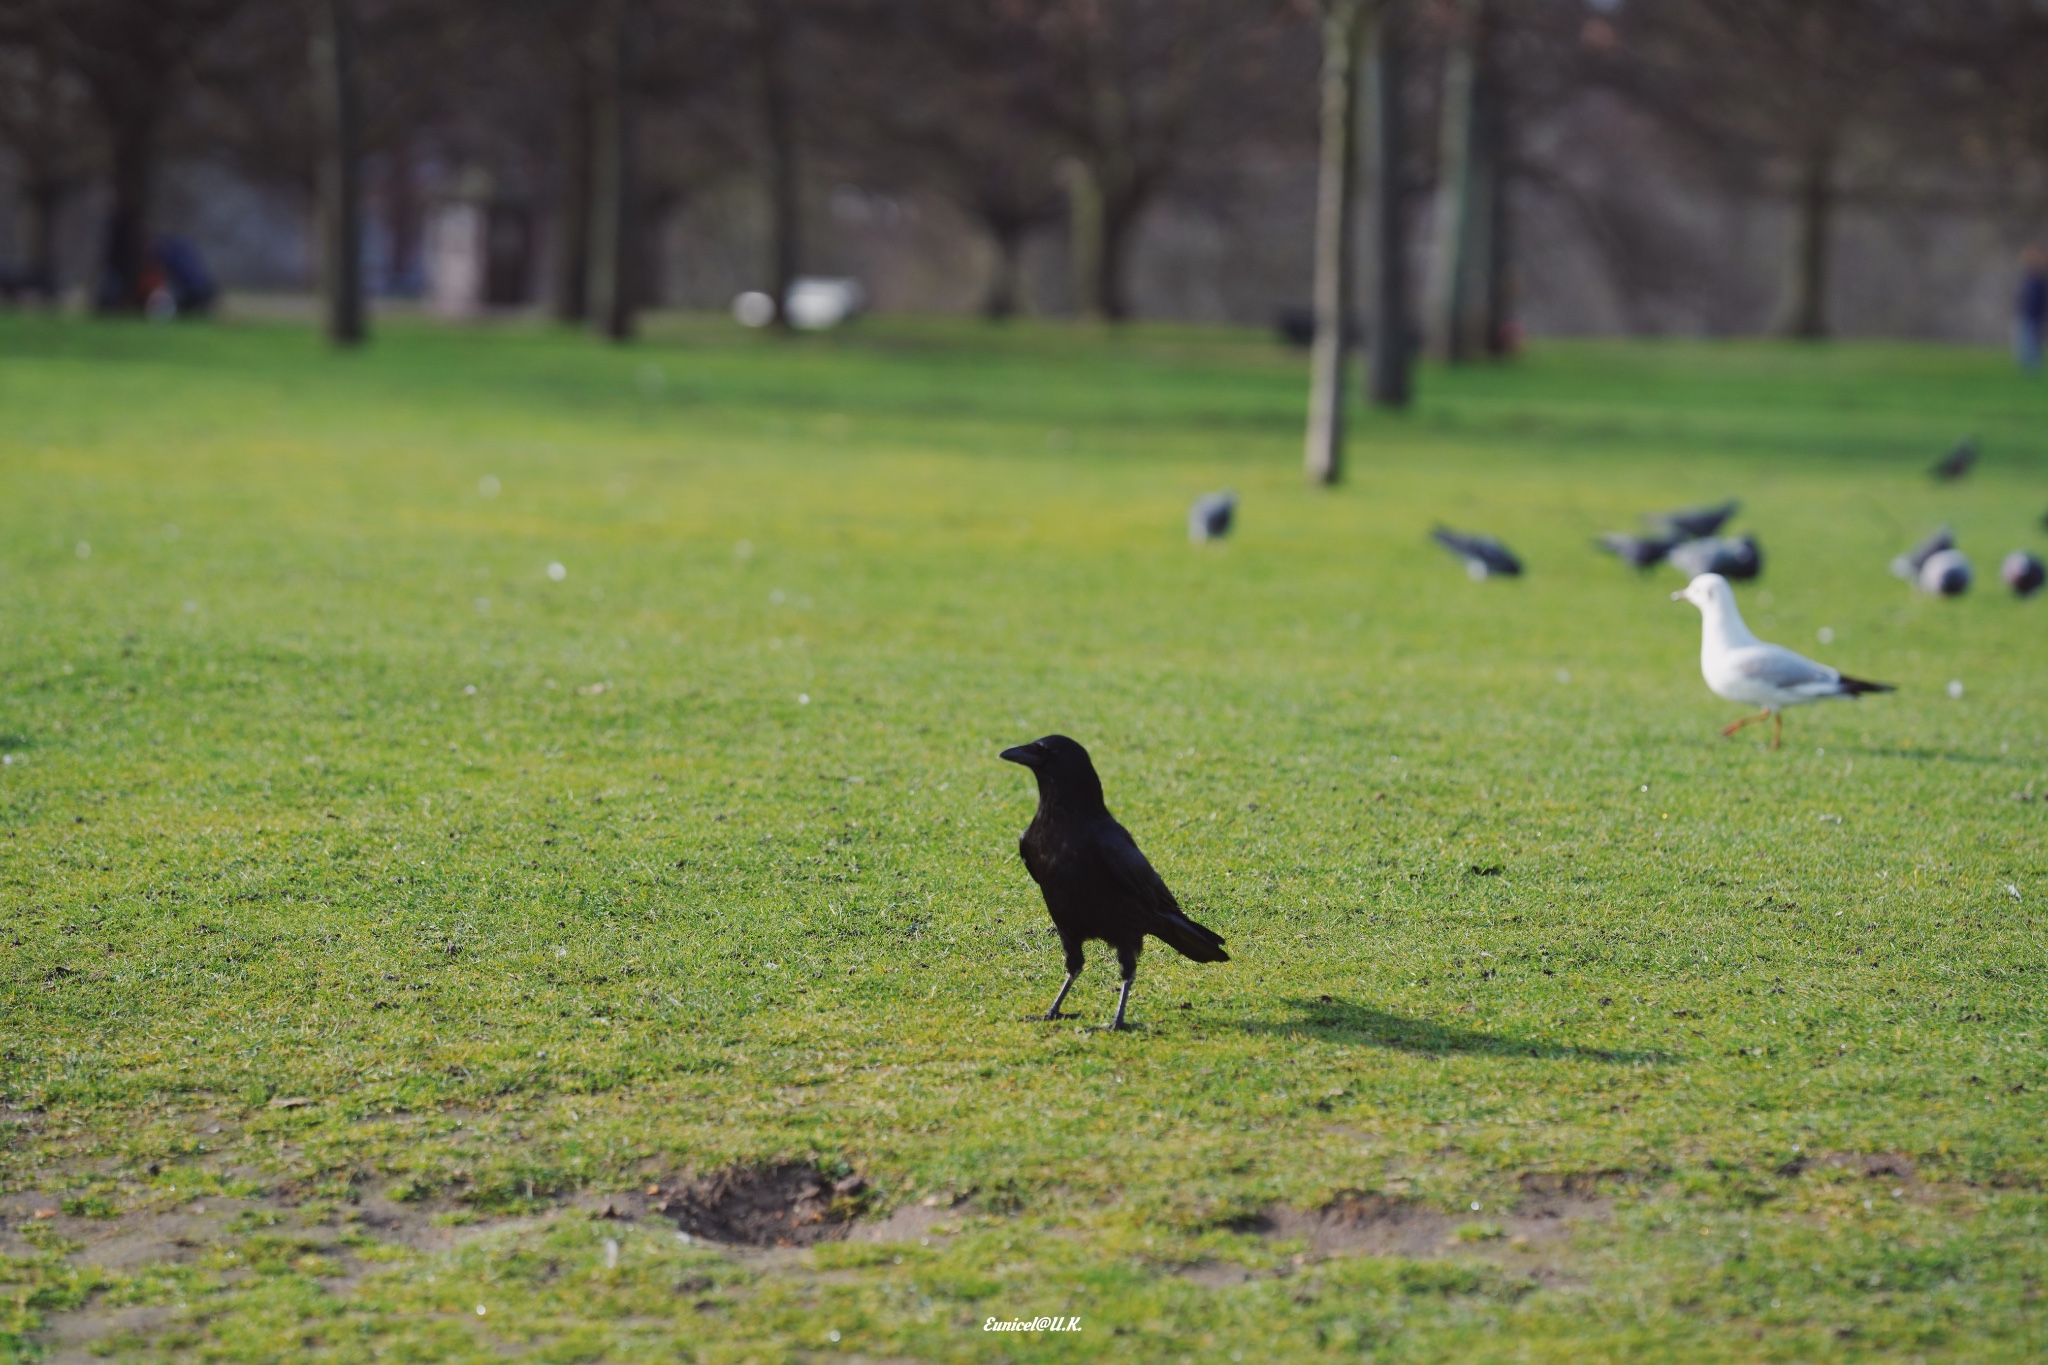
{"points": [[1031, 862], [1132, 871]]}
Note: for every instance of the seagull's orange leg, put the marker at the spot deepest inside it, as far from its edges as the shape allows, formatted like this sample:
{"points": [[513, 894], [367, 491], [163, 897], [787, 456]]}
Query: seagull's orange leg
{"points": [[1746, 720], [1777, 728]]}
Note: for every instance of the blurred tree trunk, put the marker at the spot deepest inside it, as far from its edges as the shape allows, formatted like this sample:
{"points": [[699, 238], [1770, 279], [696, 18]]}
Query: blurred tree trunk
{"points": [[1118, 218], [1391, 350], [612, 296], [43, 197], [1807, 312], [1114, 197], [132, 157], [1497, 314], [339, 118], [579, 152], [1000, 304], [1336, 194], [1084, 236], [778, 130], [1468, 180]]}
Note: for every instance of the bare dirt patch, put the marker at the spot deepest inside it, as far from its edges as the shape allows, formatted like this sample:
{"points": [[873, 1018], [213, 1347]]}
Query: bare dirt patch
{"points": [[1895, 1166], [905, 1223], [787, 1205], [80, 1337], [1528, 1237]]}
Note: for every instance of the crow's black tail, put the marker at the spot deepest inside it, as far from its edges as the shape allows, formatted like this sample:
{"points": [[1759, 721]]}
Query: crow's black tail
{"points": [[1856, 686], [1188, 938]]}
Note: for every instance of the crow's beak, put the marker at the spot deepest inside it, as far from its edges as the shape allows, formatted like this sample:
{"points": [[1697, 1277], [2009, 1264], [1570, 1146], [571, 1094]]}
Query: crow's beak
{"points": [[1026, 754]]}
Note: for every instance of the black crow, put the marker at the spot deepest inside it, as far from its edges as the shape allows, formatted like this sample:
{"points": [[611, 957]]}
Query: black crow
{"points": [[1733, 557], [1957, 462], [1694, 523], [1483, 555], [2023, 573], [1097, 885], [1641, 551], [1908, 565], [1210, 517]]}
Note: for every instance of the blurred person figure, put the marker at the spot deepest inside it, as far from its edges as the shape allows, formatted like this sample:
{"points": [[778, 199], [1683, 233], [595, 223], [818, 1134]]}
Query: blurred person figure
{"points": [[2030, 309]]}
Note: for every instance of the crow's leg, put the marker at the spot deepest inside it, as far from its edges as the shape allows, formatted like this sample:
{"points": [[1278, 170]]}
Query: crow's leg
{"points": [[1127, 960], [1075, 962], [1746, 720], [1777, 728]]}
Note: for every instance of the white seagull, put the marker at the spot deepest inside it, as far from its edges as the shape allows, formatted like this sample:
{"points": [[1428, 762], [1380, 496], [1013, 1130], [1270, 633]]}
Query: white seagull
{"points": [[1742, 668]]}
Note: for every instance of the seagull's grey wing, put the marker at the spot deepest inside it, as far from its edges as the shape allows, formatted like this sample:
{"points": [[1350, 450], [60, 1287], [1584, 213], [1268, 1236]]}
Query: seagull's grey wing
{"points": [[1777, 666]]}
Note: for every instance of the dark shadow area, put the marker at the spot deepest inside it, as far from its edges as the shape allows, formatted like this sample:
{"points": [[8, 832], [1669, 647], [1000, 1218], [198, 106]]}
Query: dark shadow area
{"points": [[1932, 755], [1339, 1021]]}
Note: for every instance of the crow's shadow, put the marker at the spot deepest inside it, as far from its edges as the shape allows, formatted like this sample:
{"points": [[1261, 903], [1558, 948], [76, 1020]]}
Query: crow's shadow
{"points": [[1339, 1021], [1936, 755]]}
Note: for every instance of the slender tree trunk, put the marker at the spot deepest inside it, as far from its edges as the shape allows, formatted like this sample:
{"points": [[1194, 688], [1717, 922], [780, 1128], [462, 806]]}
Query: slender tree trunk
{"points": [[340, 171], [1119, 220], [778, 128], [1465, 193], [615, 219], [45, 199], [1084, 236], [1007, 234], [1497, 318], [133, 154], [1391, 352], [579, 138], [1336, 194], [1807, 313]]}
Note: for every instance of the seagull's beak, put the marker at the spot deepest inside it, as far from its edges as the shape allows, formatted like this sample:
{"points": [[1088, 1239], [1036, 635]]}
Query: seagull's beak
{"points": [[1680, 596], [1026, 754]]}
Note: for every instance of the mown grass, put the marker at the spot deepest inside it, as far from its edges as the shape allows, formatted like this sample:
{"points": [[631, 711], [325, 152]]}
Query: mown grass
{"points": [[716, 862]]}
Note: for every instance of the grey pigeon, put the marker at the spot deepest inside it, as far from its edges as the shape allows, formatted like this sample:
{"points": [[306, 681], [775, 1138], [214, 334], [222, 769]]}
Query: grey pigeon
{"points": [[1733, 557], [1907, 565], [1641, 551], [1694, 523], [1957, 462], [2023, 573], [1483, 555], [1945, 574], [1210, 517]]}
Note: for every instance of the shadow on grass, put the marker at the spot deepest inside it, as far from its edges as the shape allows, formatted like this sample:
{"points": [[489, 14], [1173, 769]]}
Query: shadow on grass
{"points": [[1937, 756], [1339, 1021]]}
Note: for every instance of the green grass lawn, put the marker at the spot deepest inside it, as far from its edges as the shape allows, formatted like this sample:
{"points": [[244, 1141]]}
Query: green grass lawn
{"points": [[543, 890]]}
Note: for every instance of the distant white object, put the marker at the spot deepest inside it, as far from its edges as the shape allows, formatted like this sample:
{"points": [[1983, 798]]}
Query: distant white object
{"points": [[557, 571], [818, 304], [1211, 515], [815, 303], [1945, 574], [1955, 690], [1740, 667], [455, 260]]}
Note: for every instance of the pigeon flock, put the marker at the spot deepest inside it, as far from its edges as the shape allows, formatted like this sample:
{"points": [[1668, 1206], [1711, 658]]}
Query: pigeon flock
{"points": [[1692, 540]]}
